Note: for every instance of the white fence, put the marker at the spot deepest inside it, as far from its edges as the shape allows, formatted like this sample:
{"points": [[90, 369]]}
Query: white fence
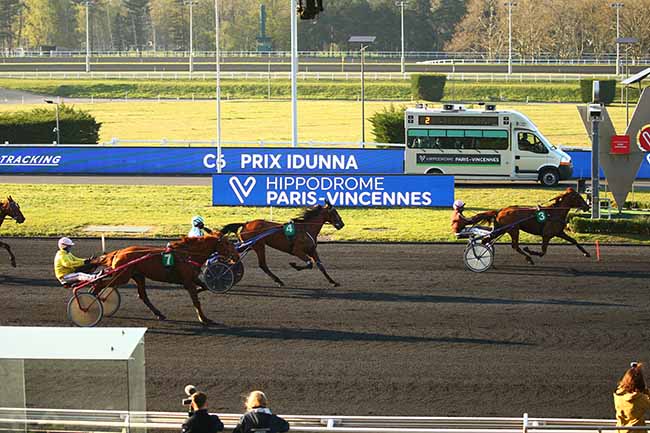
{"points": [[37, 420]]}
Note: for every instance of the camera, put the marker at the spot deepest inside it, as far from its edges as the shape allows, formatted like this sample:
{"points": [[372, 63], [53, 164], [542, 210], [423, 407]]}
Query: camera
{"points": [[189, 390], [595, 112]]}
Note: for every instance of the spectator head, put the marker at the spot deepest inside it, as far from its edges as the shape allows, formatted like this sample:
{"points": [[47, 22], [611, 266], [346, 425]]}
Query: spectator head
{"points": [[632, 380], [199, 400], [256, 399]]}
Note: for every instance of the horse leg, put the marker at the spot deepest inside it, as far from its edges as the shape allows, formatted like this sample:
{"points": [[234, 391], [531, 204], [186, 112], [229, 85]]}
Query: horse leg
{"points": [[309, 263], [315, 258], [142, 294], [11, 254], [545, 241], [514, 235], [566, 237], [261, 261], [194, 294]]}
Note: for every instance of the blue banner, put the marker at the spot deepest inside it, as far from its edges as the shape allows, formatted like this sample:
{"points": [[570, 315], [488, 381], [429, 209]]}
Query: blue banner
{"points": [[340, 190], [195, 160], [582, 165]]}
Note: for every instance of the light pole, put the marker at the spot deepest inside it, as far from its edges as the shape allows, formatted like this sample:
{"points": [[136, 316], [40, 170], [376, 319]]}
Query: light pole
{"points": [[87, 2], [190, 3], [363, 40], [618, 6], [401, 4], [58, 129], [218, 71], [294, 73], [510, 5]]}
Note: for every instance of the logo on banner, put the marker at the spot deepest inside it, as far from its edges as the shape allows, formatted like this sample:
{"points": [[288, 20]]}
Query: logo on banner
{"points": [[242, 190]]}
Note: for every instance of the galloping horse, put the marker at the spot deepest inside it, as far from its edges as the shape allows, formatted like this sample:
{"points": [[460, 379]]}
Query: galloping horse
{"points": [[189, 254], [9, 208], [303, 245], [524, 218]]}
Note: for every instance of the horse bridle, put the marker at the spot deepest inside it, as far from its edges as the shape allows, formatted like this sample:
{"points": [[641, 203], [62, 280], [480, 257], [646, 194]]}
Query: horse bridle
{"points": [[10, 209]]}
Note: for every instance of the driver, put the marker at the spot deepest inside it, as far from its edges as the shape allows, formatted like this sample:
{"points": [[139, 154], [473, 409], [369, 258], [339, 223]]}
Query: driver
{"points": [[67, 267], [198, 227], [459, 222]]}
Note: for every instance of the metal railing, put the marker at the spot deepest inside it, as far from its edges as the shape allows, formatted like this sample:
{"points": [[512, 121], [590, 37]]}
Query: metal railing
{"points": [[302, 76], [36, 420], [543, 58]]}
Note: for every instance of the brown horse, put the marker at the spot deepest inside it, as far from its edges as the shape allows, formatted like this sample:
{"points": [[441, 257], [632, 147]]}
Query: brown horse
{"points": [[303, 245], [189, 254], [524, 218], [9, 208]]}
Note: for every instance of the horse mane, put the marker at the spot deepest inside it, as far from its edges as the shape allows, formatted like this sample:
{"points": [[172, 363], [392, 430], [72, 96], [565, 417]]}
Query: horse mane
{"points": [[558, 199], [310, 213], [195, 242]]}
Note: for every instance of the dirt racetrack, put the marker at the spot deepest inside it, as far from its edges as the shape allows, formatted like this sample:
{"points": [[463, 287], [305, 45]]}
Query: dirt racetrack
{"points": [[409, 332]]}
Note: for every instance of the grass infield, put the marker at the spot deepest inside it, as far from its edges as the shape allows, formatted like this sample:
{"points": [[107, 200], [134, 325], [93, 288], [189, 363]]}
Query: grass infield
{"points": [[253, 120], [58, 210]]}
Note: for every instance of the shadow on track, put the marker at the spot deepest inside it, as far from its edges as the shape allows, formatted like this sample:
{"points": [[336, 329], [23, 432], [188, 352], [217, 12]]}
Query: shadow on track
{"points": [[11, 280], [288, 334], [305, 293]]}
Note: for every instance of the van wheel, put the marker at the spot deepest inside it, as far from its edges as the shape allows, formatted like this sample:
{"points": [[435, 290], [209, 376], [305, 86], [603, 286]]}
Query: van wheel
{"points": [[549, 177], [435, 171]]}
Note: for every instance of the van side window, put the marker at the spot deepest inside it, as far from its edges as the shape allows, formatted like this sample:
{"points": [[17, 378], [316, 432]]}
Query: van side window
{"points": [[529, 142], [457, 139]]}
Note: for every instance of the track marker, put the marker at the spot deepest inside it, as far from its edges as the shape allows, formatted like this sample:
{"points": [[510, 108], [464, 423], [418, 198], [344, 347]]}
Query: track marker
{"points": [[597, 251]]}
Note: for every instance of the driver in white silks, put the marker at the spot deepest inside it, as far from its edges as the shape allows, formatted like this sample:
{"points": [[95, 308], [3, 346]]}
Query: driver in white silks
{"points": [[460, 223]]}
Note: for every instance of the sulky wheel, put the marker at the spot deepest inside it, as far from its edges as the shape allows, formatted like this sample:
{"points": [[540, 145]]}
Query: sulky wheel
{"points": [[478, 257], [85, 310], [238, 270], [111, 300], [218, 277]]}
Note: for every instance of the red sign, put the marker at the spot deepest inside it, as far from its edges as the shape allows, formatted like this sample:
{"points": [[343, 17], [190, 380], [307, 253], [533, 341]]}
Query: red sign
{"points": [[620, 144], [644, 138]]}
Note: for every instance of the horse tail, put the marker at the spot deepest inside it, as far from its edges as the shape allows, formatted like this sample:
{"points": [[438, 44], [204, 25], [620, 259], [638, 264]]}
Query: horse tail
{"points": [[231, 228], [490, 216]]}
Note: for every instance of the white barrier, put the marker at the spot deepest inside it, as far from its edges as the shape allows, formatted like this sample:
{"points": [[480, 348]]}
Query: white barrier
{"points": [[109, 421]]}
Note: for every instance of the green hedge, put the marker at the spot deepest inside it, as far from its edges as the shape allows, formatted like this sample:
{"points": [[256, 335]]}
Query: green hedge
{"points": [[388, 125], [640, 225], [428, 87], [39, 126], [607, 90]]}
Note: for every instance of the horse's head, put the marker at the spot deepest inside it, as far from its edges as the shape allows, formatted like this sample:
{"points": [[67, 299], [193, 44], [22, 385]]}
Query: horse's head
{"points": [[572, 199], [332, 216], [12, 209]]}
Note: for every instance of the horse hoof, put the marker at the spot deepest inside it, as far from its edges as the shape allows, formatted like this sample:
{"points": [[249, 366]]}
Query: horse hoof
{"points": [[335, 284], [161, 317], [587, 255], [530, 262], [279, 283], [208, 322], [13, 263]]}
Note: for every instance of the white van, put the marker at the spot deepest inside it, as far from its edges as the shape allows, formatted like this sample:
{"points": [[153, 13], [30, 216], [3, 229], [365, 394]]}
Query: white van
{"points": [[481, 144]]}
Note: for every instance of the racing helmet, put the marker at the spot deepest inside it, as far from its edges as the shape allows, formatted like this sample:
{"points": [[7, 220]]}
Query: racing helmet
{"points": [[459, 204], [197, 220], [65, 242]]}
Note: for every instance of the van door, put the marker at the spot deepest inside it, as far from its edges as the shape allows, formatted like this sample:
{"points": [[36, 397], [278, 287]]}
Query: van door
{"points": [[530, 154]]}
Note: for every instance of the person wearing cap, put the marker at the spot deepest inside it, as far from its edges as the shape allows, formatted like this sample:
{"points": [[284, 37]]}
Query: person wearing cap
{"points": [[459, 222], [198, 227], [69, 268]]}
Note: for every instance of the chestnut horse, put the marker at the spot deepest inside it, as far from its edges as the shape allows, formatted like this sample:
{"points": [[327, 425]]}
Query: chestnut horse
{"points": [[9, 208], [303, 245], [189, 255], [524, 218]]}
